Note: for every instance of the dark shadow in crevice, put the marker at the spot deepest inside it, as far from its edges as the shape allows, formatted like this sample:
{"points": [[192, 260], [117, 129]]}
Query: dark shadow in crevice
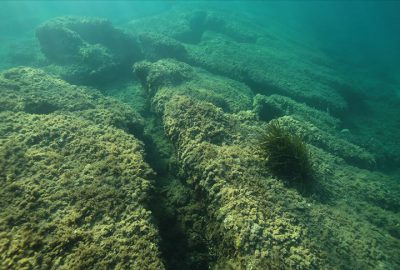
{"points": [[171, 203]]}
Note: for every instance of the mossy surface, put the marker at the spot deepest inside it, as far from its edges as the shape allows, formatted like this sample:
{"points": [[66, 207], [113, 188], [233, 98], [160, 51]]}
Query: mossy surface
{"points": [[255, 221], [171, 76], [74, 185], [274, 106], [73, 196], [233, 46]]}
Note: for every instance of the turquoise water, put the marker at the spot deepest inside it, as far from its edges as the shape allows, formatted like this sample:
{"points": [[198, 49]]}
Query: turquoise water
{"points": [[353, 31], [199, 135]]}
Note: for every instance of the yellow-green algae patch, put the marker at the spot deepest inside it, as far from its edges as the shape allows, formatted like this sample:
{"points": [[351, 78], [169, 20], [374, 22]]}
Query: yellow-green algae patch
{"points": [[73, 196]]}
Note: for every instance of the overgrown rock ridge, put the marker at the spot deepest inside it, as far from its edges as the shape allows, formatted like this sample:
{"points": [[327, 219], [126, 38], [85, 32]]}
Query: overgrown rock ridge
{"points": [[74, 186], [78, 183]]}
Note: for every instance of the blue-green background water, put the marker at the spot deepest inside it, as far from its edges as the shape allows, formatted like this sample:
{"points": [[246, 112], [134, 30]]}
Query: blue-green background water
{"points": [[363, 35]]}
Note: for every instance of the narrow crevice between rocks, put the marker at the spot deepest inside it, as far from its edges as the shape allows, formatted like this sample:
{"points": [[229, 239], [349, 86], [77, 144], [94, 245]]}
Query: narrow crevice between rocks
{"points": [[174, 209]]}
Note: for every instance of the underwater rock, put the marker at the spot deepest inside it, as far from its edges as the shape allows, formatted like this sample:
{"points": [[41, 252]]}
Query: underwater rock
{"points": [[73, 195], [156, 46], [87, 50], [183, 26], [351, 153], [189, 27], [162, 73], [269, 70], [266, 60], [253, 220], [33, 91], [75, 187], [274, 106], [242, 222], [169, 77]]}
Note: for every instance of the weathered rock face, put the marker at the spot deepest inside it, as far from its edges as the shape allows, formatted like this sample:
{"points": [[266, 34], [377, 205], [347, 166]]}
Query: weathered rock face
{"points": [[74, 186], [87, 50]]}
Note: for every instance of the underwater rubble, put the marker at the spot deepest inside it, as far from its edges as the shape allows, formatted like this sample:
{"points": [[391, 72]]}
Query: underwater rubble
{"points": [[177, 179]]}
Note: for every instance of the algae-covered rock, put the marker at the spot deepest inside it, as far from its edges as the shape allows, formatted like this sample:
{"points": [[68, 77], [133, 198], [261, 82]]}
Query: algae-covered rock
{"points": [[183, 26], [75, 190], [241, 226], [165, 72], [74, 184], [254, 221], [353, 154], [73, 196], [269, 70], [171, 77], [189, 26], [87, 50], [265, 59], [156, 46], [274, 106], [33, 91]]}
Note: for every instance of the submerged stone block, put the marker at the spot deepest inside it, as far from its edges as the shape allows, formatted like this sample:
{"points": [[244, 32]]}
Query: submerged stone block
{"points": [[252, 218], [234, 46]]}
